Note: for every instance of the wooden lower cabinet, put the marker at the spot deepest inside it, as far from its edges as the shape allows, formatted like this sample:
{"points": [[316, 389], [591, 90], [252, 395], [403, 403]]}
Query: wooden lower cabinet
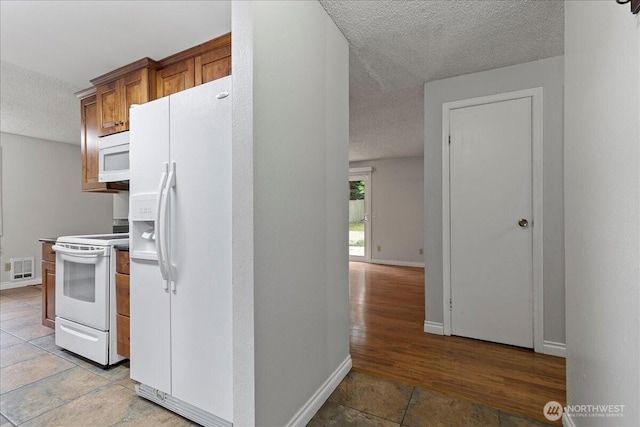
{"points": [[122, 302], [48, 285], [123, 335]]}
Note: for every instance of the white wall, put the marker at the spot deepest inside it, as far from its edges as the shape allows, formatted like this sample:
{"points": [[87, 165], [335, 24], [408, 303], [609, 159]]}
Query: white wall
{"points": [[397, 209], [291, 118], [602, 208], [42, 197], [121, 205], [244, 383], [548, 74]]}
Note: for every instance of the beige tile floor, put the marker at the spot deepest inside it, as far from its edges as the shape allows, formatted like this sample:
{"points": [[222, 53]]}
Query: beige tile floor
{"points": [[43, 385], [363, 400]]}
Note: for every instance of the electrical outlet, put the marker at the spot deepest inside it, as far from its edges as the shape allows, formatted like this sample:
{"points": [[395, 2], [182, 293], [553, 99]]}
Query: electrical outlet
{"points": [[7, 266], [420, 251], [379, 248]]}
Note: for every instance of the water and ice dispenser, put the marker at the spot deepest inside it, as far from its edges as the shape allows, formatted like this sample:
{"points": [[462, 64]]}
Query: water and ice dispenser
{"points": [[142, 213]]}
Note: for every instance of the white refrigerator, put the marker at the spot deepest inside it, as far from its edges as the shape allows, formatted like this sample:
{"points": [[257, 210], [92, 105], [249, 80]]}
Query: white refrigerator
{"points": [[180, 249]]}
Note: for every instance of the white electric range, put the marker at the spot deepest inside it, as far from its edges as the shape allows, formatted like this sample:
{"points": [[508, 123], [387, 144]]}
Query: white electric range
{"points": [[86, 296]]}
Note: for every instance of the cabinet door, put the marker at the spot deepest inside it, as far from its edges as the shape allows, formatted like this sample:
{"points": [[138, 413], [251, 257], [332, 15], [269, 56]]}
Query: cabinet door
{"points": [[213, 65], [175, 78], [49, 294], [108, 107], [122, 262], [135, 90], [123, 339], [122, 294], [89, 141]]}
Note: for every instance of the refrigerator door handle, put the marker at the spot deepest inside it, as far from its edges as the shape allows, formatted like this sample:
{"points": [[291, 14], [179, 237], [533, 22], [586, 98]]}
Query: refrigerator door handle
{"points": [[171, 182], [159, 228]]}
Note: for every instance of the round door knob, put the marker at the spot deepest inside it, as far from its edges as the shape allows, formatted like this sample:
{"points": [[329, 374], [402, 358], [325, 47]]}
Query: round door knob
{"points": [[523, 223]]}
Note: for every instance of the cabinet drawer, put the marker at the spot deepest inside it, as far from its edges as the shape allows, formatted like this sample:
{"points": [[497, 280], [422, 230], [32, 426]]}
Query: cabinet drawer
{"points": [[48, 254], [122, 294], [122, 262], [123, 335]]}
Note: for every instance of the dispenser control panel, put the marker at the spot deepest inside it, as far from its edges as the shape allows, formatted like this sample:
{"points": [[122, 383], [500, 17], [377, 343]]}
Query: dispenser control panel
{"points": [[143, 207]]}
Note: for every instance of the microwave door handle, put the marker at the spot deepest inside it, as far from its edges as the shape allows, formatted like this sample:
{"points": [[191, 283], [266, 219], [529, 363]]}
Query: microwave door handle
{"points": [[158, 226]]}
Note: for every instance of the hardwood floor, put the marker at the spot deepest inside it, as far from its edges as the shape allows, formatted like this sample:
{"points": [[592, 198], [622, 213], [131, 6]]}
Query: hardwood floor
{"points": [[387, 340]]}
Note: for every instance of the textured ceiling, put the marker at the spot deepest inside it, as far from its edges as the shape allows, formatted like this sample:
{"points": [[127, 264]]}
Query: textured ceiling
{"points": [[61, 45], [38, 106], [395, 46]]}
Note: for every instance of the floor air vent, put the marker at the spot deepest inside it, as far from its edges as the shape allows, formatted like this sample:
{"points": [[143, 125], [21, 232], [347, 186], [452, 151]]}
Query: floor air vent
{"points": [[21, 268]]}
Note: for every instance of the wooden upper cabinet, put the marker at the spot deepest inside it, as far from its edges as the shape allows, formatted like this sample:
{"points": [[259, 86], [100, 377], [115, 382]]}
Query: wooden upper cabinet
{"points": [[200, 64], [89, 141], [175, 78], [108, 114], [89, 146], [115, 97], [213, 65], [136, 89], [105, 110], [105, 106]]}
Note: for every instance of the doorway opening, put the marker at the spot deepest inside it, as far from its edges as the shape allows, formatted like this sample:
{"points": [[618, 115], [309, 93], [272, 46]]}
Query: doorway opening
{"points": [[359, 211]]}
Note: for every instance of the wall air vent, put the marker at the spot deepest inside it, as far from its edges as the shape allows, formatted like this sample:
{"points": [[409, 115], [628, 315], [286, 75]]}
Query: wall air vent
{"points": [[22, 268]]}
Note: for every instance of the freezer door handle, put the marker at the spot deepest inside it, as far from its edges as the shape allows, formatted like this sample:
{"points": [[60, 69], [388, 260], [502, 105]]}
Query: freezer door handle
{"points": [[159, 223]]}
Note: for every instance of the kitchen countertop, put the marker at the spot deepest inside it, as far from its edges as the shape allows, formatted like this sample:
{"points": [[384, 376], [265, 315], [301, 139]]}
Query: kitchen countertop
{"points": [[47, 239]]}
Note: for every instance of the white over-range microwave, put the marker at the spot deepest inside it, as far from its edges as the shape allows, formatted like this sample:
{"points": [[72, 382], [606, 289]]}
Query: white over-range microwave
{"points": [[114, 157]]}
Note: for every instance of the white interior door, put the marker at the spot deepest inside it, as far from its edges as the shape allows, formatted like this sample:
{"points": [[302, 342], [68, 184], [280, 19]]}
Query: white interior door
{"points": [[491, 208]]}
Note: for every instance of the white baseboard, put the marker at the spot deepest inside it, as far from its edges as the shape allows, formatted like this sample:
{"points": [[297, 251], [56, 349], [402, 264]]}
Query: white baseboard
{"points": [[20, 283], [304, 415], [567, 421], [397, 263], [433, 327], [554, 349]]}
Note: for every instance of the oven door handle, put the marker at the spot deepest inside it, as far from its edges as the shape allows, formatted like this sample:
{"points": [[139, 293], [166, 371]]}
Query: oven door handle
{"points": [[92, 253]]}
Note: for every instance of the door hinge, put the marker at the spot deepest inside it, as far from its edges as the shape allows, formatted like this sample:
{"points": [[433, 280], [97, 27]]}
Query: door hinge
{"points": [[450, 305]]}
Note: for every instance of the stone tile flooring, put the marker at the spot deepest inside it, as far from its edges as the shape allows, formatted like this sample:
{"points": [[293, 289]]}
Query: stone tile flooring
{"points": [[43, 385], [362, 400]]}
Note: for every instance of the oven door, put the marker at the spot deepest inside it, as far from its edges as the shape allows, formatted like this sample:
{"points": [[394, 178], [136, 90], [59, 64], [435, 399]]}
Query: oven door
{"points": [[82, 285]]}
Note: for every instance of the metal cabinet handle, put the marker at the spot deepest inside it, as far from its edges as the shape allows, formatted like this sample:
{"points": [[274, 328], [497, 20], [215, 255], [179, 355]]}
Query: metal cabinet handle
{"points": [[523, 223]]}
